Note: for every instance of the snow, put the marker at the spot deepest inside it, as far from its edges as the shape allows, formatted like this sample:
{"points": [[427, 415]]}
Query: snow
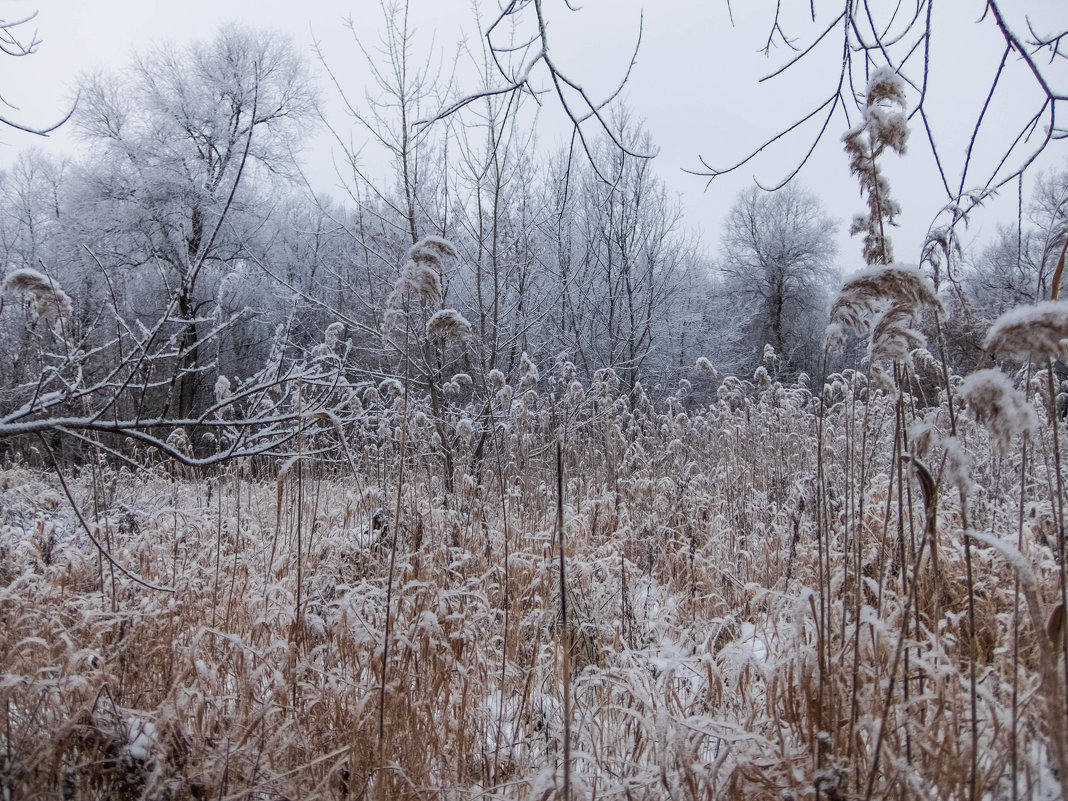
{"points": [[141, 740]]}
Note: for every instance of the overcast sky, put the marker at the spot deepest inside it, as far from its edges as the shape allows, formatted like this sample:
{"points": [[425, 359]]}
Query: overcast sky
{"points": [[695, 85]]}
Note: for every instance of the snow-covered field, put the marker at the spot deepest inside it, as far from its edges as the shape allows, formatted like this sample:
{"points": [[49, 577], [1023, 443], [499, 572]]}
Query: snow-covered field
{"points": [[752, 609]]}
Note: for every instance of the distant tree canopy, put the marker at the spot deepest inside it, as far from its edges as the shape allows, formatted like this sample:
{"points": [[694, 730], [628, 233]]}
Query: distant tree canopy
{"points": [[171, 138], [204, 279], [778, 259]]}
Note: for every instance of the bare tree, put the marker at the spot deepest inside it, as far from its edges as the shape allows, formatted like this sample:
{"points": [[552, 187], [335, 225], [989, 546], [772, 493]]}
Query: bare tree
{"points": [[31, 236], [175, 137], [30, 190], [778, 255], [625, 261], [499, 197], [1016, 269], [1018, 266], [402, 88]]}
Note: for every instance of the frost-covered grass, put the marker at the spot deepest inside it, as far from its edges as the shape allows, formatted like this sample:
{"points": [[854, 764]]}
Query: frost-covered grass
{"points": [[752, 607]]}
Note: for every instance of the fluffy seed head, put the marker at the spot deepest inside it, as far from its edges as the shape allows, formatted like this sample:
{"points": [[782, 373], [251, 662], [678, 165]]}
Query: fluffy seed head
{"points": [[705, 368], [332, 334], [771, 359], [883, 124], [432, 249], [48, 299], [391, 388], [884, 110], [465, 428], [892, 336], [997, 404], [418, 280], [178, 439], [223, 389], [528, 373], [863, 295], [1037, 330], [495, 378], [449, 324]]}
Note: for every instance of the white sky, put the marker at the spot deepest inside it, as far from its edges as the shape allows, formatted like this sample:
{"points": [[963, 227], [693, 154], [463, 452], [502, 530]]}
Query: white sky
{"points": [[695, 85]]}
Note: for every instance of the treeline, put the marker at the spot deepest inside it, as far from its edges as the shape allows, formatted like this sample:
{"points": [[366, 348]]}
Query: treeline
{"points": [[184, 266], [184, 229]]}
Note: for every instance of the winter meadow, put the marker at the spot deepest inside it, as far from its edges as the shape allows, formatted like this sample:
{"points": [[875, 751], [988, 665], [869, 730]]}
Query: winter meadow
{"points": [[489, 479]]}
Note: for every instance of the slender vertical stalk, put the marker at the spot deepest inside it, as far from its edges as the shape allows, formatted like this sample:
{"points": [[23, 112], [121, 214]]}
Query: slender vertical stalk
{"points": [[973, 657], [389, 579], [298, 619], [507, 596], [930, 495], [1055, 415], [1019, 539], [1016, 628], [822, 535], [565, 639], [973, 768], [218, 553], [1055, 290]]}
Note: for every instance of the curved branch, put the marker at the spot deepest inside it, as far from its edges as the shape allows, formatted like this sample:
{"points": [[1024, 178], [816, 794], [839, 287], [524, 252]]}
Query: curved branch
{"points": [[711, 172], [579, 113], [40, 131], [11, 45], [906, 38], [89, 532]]}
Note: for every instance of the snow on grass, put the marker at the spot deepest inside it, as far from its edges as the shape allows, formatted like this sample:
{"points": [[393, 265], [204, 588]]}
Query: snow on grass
{"points": [[733, 612]]}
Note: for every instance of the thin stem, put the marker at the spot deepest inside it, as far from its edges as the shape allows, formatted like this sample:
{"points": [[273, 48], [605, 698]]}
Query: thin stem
{"points": [[565, 639]]}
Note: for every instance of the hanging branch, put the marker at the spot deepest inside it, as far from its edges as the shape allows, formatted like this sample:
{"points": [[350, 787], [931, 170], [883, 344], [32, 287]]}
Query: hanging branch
{"points": [[904, 46], [12, 45], [571, 95], [89, 531]]}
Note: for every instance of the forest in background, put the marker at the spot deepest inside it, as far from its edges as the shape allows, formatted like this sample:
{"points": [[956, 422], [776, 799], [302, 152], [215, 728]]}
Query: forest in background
{"points": [[486, 480]]}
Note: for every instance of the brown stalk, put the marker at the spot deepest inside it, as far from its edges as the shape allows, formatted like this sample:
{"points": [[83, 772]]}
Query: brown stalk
{"points": [[1056, 284], [565, 639]]}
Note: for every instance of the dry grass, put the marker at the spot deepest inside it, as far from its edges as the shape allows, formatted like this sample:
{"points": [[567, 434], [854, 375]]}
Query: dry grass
{"points": [[752, 607]]}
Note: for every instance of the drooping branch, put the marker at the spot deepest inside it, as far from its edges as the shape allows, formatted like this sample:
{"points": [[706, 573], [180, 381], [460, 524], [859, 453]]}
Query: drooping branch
{"points": [[12, 44], [903, 42], [535, 59]]}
